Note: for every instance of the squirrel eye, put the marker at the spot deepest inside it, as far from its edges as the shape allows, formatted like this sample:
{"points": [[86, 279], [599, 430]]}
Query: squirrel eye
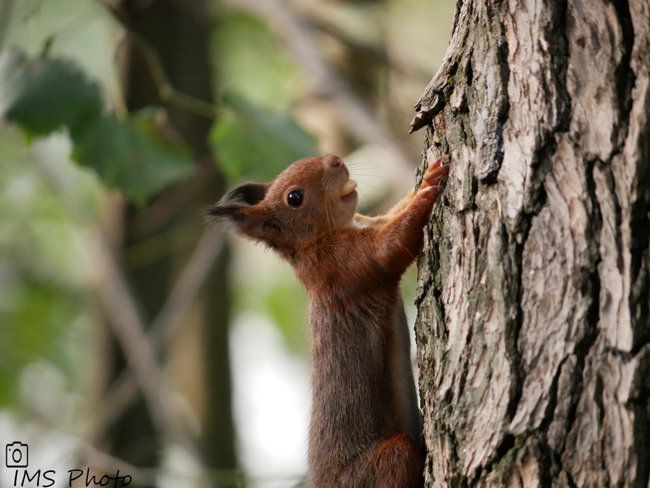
{"points": [[295, 198]]}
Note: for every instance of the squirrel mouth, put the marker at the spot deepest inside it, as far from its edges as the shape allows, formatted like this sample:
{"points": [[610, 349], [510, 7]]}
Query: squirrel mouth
{"points": [[348, 187]]}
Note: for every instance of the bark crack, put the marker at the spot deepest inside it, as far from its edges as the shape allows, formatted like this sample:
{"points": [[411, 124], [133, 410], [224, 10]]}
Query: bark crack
{"points": [[624, 75]]}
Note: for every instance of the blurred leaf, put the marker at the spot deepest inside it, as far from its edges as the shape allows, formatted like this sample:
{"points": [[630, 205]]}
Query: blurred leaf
{"points": [[256, 143], [133, 155], [136, 155], [42, 297], [81, 31], [252, 60], [43, 95], [33, 330]]}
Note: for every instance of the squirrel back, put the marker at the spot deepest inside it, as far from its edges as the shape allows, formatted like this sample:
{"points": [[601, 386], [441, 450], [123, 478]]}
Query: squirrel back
{"points": [[365, 426]]}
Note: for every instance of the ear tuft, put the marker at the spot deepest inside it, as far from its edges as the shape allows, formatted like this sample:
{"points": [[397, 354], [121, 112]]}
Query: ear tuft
{"points": [[218, 210], [248, 194]]}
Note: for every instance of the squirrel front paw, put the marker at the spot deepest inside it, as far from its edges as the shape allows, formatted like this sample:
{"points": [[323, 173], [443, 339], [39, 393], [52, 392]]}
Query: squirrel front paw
{"points": [[434, 172], [431, 179]]}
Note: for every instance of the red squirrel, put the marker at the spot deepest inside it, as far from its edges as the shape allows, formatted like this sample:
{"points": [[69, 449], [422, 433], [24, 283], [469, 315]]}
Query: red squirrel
{"points": [[365, 428]]}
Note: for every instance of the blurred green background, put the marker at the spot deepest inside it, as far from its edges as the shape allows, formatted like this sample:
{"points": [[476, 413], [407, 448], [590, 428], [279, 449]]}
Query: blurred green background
{"points": [[133, 335]]}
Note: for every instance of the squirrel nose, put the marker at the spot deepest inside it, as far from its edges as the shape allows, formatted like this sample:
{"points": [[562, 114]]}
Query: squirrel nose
{"points": [[332, 161]]}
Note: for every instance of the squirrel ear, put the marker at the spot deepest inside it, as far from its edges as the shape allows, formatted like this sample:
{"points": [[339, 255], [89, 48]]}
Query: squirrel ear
{"points": [[237, 199], [249, 194], [241, 206]]}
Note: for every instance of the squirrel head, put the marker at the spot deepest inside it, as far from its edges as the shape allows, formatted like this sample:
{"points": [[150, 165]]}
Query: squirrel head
{"points": [[311, 197]]}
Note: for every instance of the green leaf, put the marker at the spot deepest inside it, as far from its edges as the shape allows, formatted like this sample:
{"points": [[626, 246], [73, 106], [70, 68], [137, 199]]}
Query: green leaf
{"points": [[42, 95], [45, 310], [35, 328], [255, 143], [133, 155]]}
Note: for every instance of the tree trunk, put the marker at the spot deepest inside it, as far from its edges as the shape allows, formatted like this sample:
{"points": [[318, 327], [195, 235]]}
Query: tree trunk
{"points": [[179, 33], [533, 331]]}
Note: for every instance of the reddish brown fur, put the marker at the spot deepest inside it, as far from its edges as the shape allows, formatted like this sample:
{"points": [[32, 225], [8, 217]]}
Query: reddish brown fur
{"points": [[365, 429]]}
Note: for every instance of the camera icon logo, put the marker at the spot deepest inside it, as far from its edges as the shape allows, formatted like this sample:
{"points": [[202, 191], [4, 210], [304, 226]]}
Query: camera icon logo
{"points": [[16, 455]]}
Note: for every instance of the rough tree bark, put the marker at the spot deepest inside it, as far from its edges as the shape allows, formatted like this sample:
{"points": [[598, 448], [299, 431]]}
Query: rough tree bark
{"points": [[533, 330]]}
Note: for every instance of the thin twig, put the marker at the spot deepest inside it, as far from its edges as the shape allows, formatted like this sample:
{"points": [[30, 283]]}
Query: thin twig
{"points": [[166, 90]]}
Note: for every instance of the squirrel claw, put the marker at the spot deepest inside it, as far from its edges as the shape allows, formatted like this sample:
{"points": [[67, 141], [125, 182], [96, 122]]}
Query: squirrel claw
{"points": [[438, 162], [434, 172]]}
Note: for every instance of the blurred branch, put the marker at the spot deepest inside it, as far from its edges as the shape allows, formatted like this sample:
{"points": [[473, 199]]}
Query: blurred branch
{"points": [[123, 315], [122, 312], [355, 115], [187, 287], [184, 293]]}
